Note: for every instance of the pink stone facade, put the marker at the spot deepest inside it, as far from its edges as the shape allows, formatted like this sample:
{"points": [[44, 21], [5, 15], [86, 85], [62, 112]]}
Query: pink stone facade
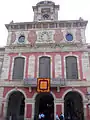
{"points": [[46, 38]]}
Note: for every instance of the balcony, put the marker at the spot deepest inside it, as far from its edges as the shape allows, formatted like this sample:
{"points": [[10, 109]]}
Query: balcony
{"points": [[32, 82]]}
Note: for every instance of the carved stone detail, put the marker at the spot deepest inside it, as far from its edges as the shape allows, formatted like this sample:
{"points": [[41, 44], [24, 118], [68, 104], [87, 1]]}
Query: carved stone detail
{"points": [[13, 37], [32, 37], [58, 36], [45, 36], [78, 35]]}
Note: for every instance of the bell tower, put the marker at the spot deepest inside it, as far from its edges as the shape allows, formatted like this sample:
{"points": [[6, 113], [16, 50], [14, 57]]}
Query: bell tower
{"points": [[45, 11]]}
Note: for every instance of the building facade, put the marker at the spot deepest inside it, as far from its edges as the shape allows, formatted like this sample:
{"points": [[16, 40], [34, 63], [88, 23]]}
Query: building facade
{"points": [[45, 48]]}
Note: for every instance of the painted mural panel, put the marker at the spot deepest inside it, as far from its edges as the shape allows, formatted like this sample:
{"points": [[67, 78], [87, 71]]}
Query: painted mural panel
{"points": [[31, 66], [58, 66]]}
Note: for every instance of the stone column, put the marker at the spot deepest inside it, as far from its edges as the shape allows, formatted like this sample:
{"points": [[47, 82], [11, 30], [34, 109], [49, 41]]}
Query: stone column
{"points": [[58, 106], [58, 109], [88, 112], [1, 101], [4, 108], [28, 111], [85, 110]]}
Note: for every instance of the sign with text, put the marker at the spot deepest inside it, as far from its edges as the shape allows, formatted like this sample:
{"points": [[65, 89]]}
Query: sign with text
{"points": [[43, 85]]}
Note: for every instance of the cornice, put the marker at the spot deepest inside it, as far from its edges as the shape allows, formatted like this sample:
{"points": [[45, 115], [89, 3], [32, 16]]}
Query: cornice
{"points": [[46, 48], [56, 24]]}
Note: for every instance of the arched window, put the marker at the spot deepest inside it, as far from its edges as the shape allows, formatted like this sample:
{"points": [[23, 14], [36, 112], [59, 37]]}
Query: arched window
{"points": [[18, 69], [71, 67], [44, 67]]}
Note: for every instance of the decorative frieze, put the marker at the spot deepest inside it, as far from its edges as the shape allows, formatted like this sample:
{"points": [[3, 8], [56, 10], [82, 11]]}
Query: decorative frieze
{"points": [[35, 36]]}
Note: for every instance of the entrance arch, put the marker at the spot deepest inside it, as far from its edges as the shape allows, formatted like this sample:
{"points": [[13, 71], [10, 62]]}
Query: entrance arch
{"points": [[44, 102], [16, 105], [73, 106]]}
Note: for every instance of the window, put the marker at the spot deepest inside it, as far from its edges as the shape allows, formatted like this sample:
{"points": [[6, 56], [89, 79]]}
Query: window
{"points": [[21, 39], [69, 37], [46, 16], [44, 67], [18, 70], [71, 67]]}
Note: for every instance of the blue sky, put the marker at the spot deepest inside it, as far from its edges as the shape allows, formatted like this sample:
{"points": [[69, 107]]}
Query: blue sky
{"points": [[21, 11]]}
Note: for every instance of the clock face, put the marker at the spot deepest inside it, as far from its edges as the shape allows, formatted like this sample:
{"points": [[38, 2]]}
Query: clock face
{"points": [[69, 37], [21, 39]]}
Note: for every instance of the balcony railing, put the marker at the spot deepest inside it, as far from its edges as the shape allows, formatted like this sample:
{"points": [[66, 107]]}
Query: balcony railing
{"points": [[54, 82]]}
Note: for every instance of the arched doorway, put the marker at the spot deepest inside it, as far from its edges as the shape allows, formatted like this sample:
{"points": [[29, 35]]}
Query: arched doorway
{"points": [[44, 102], [73, 106], [16, 104]]}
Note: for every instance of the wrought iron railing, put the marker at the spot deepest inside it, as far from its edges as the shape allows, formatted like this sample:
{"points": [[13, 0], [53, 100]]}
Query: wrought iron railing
{"points": [[54, 82]]}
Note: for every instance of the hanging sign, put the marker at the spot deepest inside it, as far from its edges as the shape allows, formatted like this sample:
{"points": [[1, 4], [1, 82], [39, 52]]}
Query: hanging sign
{"points": [[43, 85]]}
